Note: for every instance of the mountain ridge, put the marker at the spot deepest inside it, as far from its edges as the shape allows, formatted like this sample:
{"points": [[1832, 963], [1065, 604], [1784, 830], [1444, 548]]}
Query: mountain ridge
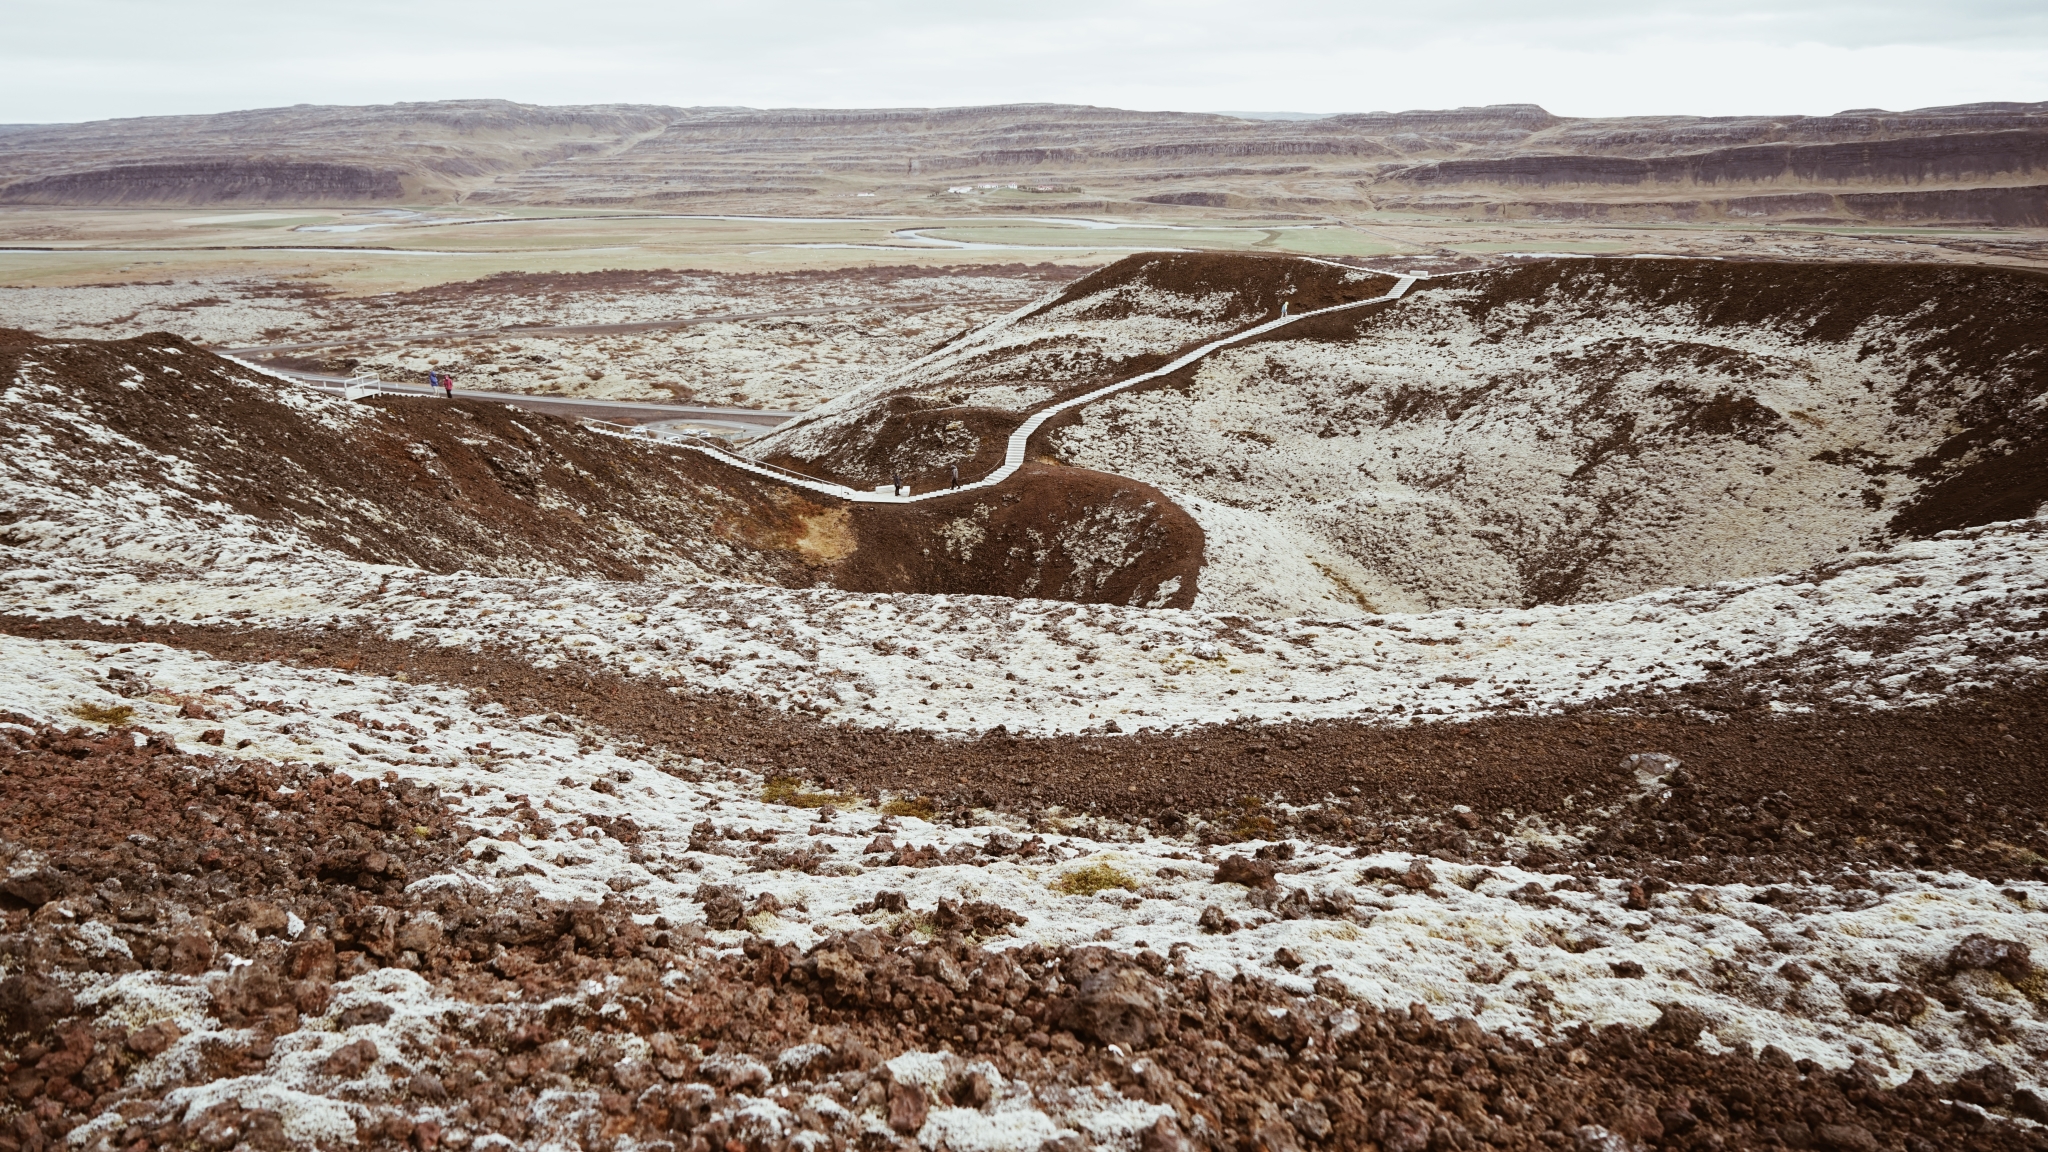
{"points": [[501, 152]]}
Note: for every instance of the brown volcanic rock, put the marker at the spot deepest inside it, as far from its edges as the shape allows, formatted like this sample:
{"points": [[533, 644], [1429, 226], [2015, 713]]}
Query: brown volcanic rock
{"points": [[1764, 794], [1246, 871], [1117, 1004], [1255, 287], [1051, 533], [1229, 1060], [30, 1003]]}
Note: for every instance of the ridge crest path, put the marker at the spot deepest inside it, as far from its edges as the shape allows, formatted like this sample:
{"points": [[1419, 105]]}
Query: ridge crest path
{"points": [[1013, 453]]}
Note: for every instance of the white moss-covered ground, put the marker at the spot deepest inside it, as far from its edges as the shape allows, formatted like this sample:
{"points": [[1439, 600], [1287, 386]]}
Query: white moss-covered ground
{"points": [[1462, 946]]}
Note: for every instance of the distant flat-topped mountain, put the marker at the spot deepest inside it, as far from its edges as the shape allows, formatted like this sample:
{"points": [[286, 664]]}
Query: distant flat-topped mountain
{"points": [[1978, 163]]}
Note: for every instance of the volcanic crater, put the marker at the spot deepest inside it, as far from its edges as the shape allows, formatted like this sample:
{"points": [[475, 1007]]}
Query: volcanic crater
{"points": [[1553, 432], [1585, 704]]}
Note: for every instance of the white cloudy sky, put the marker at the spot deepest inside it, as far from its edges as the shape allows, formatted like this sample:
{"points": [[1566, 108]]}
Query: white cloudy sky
{"points": [[66, 60]]}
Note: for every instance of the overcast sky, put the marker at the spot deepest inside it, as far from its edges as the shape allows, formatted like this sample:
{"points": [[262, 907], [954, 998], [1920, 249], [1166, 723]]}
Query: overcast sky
{"points": [[67, 60]]}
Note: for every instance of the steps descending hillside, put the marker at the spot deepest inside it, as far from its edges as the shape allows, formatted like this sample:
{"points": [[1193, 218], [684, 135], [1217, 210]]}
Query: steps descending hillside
{"points": [[1561, 431]]}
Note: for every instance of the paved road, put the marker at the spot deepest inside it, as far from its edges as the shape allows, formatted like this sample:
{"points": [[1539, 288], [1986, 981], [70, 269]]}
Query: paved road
{"points": [[751, 419], [754, 420]]}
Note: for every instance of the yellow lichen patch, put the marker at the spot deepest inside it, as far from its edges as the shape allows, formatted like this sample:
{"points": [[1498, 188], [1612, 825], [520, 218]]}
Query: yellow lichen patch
{"points": [[789, 791], [826, 537], [819, 535], [1337, 578], [1089, 879], [2024, 857], [917, 924], [921, 807], [2034, 986], [102, 714]]}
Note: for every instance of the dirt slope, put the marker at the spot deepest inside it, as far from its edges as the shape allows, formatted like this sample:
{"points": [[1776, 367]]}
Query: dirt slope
{"points": [[152, 447], [110, 441], [1051, 533]]}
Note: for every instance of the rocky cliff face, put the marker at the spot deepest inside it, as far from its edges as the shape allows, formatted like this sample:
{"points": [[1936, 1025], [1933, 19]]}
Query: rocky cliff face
{"points": [[1968, 156], [211, 182], [2016, 207]]}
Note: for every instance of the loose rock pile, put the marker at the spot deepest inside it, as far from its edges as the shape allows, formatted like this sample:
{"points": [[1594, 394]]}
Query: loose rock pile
{"points": [[208, 954]]}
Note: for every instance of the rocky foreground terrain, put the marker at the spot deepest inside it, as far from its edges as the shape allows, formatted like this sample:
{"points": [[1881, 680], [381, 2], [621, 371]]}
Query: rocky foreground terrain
{"points": [[1978, 164], [408, 775]]}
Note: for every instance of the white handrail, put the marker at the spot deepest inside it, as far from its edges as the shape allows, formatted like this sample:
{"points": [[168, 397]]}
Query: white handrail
{"points": [[1013, 452], [361, 385]]}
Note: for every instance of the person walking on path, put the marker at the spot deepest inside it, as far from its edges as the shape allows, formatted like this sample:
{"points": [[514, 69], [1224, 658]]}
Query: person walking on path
{"points": [[433, 381], [448, 385], [896, 483], [956, 475]]}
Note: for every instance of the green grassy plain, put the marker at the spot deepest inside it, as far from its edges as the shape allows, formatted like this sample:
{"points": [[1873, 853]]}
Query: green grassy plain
{"points": [[411, 248]]}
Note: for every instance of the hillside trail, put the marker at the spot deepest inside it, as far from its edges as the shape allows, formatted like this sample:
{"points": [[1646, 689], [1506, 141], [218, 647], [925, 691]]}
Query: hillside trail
{"points": [[1013, 453]]}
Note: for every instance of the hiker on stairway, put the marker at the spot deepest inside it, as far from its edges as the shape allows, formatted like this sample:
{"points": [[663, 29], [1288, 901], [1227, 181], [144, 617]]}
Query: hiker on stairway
{"points": [[955, 470]]}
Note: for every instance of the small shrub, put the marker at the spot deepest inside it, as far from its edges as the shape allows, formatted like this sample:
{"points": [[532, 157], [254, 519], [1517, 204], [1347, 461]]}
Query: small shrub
{"points": [[922, 807], [789, 791], [916, 924], [99, 714], [1252, 822], [1089, 879]]}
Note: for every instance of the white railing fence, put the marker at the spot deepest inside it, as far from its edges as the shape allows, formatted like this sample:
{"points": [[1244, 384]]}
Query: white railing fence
{"points": [[1013, 451]]}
